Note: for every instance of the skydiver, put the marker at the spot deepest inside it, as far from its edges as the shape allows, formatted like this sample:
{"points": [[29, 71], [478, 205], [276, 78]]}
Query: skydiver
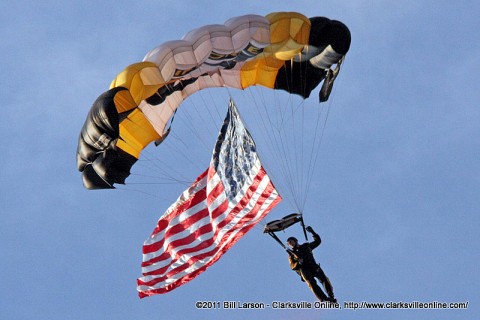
{"points": [[303, 262]]}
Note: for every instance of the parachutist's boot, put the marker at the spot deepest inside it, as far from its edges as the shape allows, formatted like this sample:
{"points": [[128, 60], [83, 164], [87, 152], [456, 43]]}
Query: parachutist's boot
{"points": [[331, 298]]}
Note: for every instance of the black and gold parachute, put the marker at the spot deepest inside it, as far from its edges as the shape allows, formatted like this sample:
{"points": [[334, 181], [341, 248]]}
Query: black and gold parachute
{"points": [[284, 50]]}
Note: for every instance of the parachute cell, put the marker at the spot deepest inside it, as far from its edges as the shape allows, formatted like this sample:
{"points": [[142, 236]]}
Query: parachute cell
{"points": [[284, 50]]}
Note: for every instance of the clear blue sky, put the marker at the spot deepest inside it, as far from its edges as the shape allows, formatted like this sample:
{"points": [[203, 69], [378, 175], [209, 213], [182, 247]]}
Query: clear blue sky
{"points": [[395, 197]]}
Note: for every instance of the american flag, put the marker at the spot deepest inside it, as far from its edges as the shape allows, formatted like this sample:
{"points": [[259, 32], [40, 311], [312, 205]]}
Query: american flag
{"points": [[221, 206]]}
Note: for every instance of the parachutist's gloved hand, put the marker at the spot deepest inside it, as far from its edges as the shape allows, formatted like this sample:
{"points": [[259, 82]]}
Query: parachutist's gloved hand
{"points": [[309, 229]]}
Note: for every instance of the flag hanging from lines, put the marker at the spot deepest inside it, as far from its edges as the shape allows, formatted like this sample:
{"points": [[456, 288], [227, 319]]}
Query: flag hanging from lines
{"points": [[221, 206]]}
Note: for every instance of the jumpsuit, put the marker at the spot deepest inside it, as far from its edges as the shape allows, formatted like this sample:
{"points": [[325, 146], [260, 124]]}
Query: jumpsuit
{"points": [[303, 262]]}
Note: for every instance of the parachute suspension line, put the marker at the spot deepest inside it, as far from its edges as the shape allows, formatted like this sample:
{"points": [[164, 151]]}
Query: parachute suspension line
{"points": [[150, 161], [196, 123], [255, 94], [179, 150], [270, 129], [288, 142], [285, 146], [168, 175], [318, 139], [303, 191], [317, 144], [309, 157], [191, 122], [155, 162], [294, 174], [305, 167], [199, 122], [199, 125], [302, 163], [218, 115], [291, 140], [130, 188], [301, 141]]}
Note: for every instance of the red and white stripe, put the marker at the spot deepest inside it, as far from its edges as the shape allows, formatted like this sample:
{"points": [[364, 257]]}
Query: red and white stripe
{"points": [[200, 227]]}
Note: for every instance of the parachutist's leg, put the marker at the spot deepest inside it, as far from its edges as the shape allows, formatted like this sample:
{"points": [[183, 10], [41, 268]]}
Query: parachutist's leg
{"points": [[326, 284], [329, 288], [312, 284]]}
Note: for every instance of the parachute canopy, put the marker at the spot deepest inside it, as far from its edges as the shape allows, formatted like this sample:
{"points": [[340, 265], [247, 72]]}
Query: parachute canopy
{"points": [[283, 50]]}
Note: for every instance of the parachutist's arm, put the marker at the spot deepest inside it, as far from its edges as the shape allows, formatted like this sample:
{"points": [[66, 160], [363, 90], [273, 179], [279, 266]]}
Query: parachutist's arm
{"points": [[293, 259], [316, 238]]}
